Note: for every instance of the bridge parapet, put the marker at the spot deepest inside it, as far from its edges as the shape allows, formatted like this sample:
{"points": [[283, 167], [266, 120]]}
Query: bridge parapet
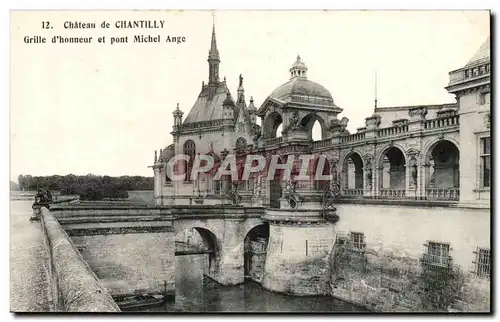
{"points": [[76, 287]]}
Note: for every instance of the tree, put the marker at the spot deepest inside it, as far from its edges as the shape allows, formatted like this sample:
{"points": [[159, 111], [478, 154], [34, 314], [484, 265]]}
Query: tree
{"points": [[14, 186]]}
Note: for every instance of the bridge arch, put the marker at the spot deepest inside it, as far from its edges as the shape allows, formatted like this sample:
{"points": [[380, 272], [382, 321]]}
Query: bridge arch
{"points": [[255, 249], [206, 239]]}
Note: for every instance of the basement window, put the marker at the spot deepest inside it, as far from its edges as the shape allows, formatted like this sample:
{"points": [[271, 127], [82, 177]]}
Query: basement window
{"points": [[482, 262], [358, 240], [437, 254]]}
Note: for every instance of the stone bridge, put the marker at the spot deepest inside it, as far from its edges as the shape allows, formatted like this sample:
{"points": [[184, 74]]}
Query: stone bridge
{"points": [[132, 247]]}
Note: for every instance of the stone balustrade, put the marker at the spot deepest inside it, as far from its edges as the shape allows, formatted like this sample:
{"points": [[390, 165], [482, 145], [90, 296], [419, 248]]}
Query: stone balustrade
{"points": [[392, 193], [353, 137], [353, 192], [392, 131], [442, 194], [442, 122], [274, 141], [322, 143]]}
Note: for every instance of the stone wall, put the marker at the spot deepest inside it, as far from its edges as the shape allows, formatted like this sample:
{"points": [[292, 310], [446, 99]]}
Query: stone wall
{"points": [[297, 258], [75, 287], [256, 259], [389, 282], [388, 274], [131, 263], [405, 229]]}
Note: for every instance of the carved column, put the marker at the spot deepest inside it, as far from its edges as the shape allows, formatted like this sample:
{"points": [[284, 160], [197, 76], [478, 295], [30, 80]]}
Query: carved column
{"points": [[368, 177], [413, 174]]}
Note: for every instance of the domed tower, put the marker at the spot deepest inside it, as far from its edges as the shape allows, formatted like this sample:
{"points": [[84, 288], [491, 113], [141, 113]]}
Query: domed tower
{"points": [[296, 106], [299, 207]]}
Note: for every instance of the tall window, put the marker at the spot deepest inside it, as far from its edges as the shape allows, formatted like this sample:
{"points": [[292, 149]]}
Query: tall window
{"points": [[483, 262], [189, 149], [485, 162]]}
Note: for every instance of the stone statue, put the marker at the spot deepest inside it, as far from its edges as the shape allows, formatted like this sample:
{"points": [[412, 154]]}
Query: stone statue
{"points": [[289, 194], [343, 124], [294, 122], [328, 200], [257, 189], [241, 80], [233, 195], [156, 156]]}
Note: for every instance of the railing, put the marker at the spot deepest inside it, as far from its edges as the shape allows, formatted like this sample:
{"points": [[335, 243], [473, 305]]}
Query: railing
{"points": [[441, 122], [353, 137], [392, 193], [321, 143], [274, 141], [353, 192], [202, 124], [442, 194], [391, 131]]}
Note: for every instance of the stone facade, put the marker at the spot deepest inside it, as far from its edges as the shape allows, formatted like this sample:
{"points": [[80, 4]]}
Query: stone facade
{"points": [[131, 263], [435, 159]]}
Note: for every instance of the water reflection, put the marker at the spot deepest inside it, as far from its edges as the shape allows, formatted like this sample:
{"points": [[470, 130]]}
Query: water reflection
{"points": [[196, 293]]}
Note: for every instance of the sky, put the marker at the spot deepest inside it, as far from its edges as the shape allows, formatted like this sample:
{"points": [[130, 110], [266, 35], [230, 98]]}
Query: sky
{"points": [[104, 109]]}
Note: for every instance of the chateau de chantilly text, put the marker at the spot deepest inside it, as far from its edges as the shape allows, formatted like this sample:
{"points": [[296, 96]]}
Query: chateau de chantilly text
{"points": [[128, 31]]}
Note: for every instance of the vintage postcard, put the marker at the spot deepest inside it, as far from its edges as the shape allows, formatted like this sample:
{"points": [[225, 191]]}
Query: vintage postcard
{"points": [[250, 161]]}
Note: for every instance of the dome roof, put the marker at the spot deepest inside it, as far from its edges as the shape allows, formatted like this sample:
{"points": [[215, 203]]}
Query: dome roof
{"points": [[301, 90], [168, 152], [301, 86]]}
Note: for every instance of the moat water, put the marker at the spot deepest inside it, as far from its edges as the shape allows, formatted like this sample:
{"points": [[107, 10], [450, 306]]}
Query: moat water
{"points": [[197, 293]]}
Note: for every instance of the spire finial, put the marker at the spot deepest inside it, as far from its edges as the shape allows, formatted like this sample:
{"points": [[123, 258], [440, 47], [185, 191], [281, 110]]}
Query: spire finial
{"points": [[376, 88], [177, 105]]}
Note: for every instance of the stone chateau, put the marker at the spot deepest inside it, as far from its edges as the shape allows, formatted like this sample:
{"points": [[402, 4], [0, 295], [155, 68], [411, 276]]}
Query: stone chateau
{"points": [[412, 186]]}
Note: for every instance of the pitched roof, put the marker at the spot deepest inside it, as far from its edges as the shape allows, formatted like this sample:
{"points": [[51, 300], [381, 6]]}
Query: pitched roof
{"points": [[208, 110], [483, 53]]}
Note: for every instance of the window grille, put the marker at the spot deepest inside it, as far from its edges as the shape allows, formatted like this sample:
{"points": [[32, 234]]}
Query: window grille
{"points": [[482, 262], [358, 240], [437, 254]]}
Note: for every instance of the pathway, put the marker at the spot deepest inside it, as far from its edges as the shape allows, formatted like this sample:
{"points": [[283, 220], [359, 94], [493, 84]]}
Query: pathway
{"points": [[29, 279]]}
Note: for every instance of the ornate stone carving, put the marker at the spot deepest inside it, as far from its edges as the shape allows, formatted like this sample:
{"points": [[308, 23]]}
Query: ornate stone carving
{"points": [[294, 123], [233, 195], [487, 120], [289, 194], [412, 153], [331, 194], [447, 113], [224, 153], [372, 121], [418, 113], [257, 188]]}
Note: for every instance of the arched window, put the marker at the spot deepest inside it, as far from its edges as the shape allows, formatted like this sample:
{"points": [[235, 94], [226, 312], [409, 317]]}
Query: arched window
{"points": [[189, 149], [241, 144]]}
